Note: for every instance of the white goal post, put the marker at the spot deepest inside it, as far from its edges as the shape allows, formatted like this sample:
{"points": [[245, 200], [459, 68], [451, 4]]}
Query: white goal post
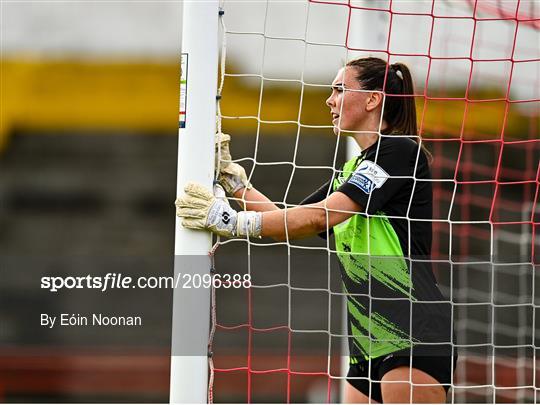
{"points": [[190, 328]]}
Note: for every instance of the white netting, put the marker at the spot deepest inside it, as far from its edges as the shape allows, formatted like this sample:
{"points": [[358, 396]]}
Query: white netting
{"points": [[476, 70]]}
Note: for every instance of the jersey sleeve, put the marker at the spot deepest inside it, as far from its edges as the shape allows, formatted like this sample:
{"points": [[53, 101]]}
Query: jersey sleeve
{"points": [[317, 196], [376, 175]]}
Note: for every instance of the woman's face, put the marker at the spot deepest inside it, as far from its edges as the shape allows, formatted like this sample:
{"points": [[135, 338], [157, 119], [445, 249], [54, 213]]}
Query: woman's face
{"points": [[347, 104]]}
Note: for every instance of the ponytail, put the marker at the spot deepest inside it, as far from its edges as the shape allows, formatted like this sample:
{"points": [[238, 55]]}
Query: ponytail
{"points": [[400, 110], [396, 82]]}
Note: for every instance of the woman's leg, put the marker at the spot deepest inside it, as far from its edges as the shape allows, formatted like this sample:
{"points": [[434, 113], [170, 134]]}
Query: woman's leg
{"points": [[353, 396], [396, 387]]}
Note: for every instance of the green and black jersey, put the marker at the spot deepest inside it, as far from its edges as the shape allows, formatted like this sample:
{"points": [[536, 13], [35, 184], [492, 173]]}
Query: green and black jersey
{"points": [[393, 298]]}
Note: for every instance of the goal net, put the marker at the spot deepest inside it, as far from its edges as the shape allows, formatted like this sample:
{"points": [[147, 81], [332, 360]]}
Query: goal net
{"points": [[477, 81]]}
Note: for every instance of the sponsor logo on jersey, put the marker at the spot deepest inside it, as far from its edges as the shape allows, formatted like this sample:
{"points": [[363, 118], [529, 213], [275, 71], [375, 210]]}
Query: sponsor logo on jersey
{"points": [[368, 176]]}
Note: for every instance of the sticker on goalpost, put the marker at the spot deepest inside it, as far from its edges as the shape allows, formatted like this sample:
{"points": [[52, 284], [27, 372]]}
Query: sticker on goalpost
{"points": [[183, 89], [368, 176]]}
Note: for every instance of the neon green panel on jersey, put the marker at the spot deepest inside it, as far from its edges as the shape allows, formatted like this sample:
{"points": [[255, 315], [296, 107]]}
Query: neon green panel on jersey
{"points": [[370, 246]]}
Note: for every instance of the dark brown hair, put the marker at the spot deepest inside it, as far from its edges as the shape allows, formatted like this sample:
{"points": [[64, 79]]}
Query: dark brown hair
{"points": [[396, 82]]}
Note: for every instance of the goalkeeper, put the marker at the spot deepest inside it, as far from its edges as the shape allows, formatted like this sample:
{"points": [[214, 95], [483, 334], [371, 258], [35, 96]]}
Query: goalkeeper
{"points": [[379, 208]]}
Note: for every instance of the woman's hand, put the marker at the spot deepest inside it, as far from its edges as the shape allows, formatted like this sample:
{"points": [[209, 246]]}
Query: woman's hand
{"points": [[232, 176], [200, 209]]}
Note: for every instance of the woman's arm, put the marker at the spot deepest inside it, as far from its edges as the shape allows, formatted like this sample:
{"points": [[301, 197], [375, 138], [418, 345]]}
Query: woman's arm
{"points": [[200, 208], [309, 220], [250, 199], [253, 200]]}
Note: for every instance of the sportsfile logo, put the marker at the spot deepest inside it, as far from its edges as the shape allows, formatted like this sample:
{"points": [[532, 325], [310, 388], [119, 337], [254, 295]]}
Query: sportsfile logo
{"points": [[368, 176], [116, 281]]}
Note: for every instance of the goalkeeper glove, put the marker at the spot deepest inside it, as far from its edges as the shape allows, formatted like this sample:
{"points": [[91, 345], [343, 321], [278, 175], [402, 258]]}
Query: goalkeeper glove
{"points": [[232, 176], [200, 209]]}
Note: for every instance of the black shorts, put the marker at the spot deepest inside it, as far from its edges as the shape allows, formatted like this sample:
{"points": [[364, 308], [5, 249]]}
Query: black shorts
{"points": [[439, 367]]}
